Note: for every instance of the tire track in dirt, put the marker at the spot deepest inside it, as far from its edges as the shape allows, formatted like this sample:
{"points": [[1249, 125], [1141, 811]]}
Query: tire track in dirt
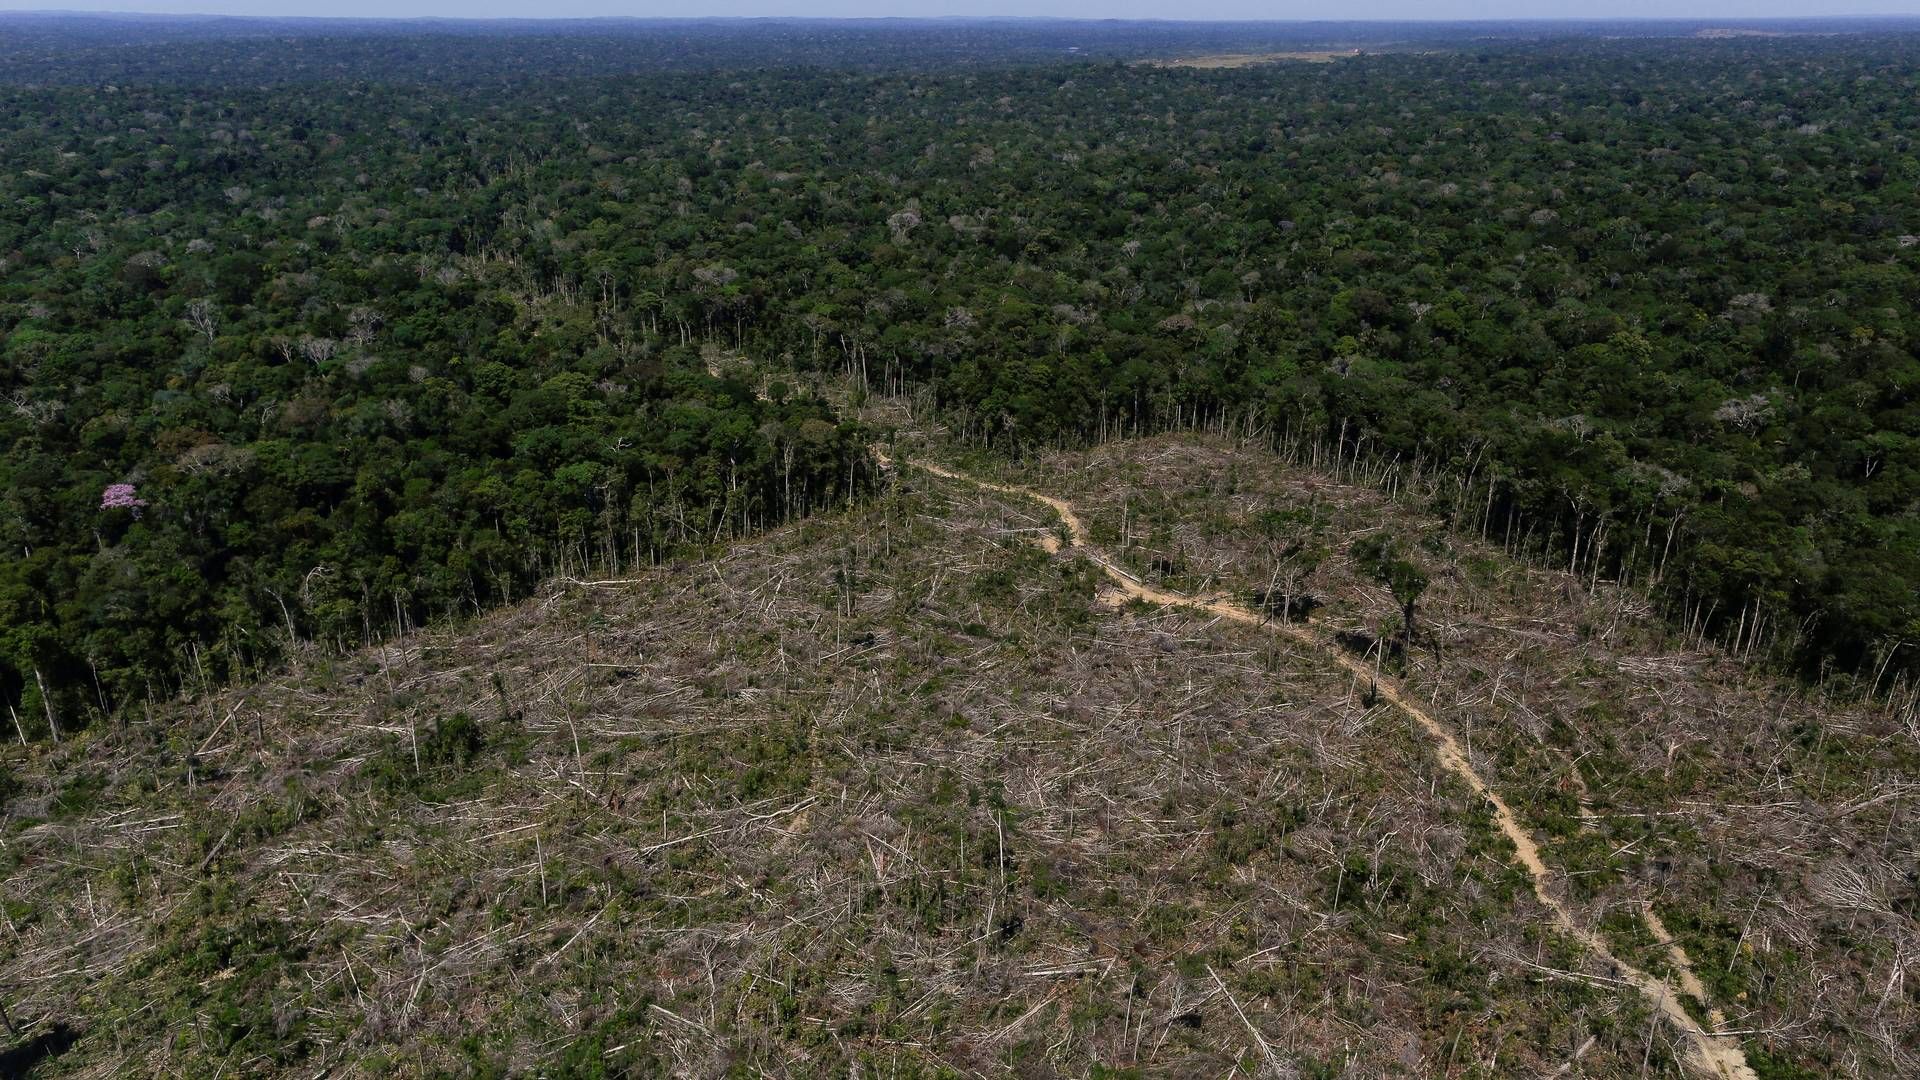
{"points": [[1713, 1055]]}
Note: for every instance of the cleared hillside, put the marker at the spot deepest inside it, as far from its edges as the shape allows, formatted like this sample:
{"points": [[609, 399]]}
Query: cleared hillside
{"points": [[906, 791]]}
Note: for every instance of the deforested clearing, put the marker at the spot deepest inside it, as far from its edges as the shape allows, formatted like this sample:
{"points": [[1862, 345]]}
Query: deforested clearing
{"points": [[1240, 60], [900, 790]]}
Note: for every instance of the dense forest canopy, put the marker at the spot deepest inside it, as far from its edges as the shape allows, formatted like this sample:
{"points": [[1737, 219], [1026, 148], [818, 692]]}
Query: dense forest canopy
{"points": [[210, 50], [319, 333]]}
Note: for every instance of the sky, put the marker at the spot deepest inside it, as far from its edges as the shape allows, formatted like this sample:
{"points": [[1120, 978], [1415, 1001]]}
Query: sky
{"points": [[1098, 9]]}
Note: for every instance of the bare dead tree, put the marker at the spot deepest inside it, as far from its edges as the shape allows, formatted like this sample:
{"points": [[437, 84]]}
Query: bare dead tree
{"points": [[202, 318]]}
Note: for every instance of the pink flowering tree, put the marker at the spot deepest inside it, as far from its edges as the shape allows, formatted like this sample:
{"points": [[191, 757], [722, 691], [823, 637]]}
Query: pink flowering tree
{"points": [[121, 497]]}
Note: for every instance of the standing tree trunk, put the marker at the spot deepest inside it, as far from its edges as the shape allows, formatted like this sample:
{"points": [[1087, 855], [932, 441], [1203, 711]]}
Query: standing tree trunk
{"points": [[46, 702]]}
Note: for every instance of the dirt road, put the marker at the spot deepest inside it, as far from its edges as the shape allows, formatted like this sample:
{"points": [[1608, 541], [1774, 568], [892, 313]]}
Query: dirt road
{"points": [[1711, 1054]]}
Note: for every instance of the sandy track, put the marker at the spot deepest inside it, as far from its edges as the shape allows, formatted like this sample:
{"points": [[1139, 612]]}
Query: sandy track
{"points": [[1711, 1054]]}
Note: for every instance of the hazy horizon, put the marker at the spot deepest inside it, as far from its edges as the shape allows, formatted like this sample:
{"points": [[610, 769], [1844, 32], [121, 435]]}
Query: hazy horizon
{"points": [[1158, 10]]}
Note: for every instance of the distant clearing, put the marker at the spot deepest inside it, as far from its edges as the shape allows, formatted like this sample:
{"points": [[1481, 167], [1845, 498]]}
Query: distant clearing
{"points": [[1741, 32], [1240, 60]]}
